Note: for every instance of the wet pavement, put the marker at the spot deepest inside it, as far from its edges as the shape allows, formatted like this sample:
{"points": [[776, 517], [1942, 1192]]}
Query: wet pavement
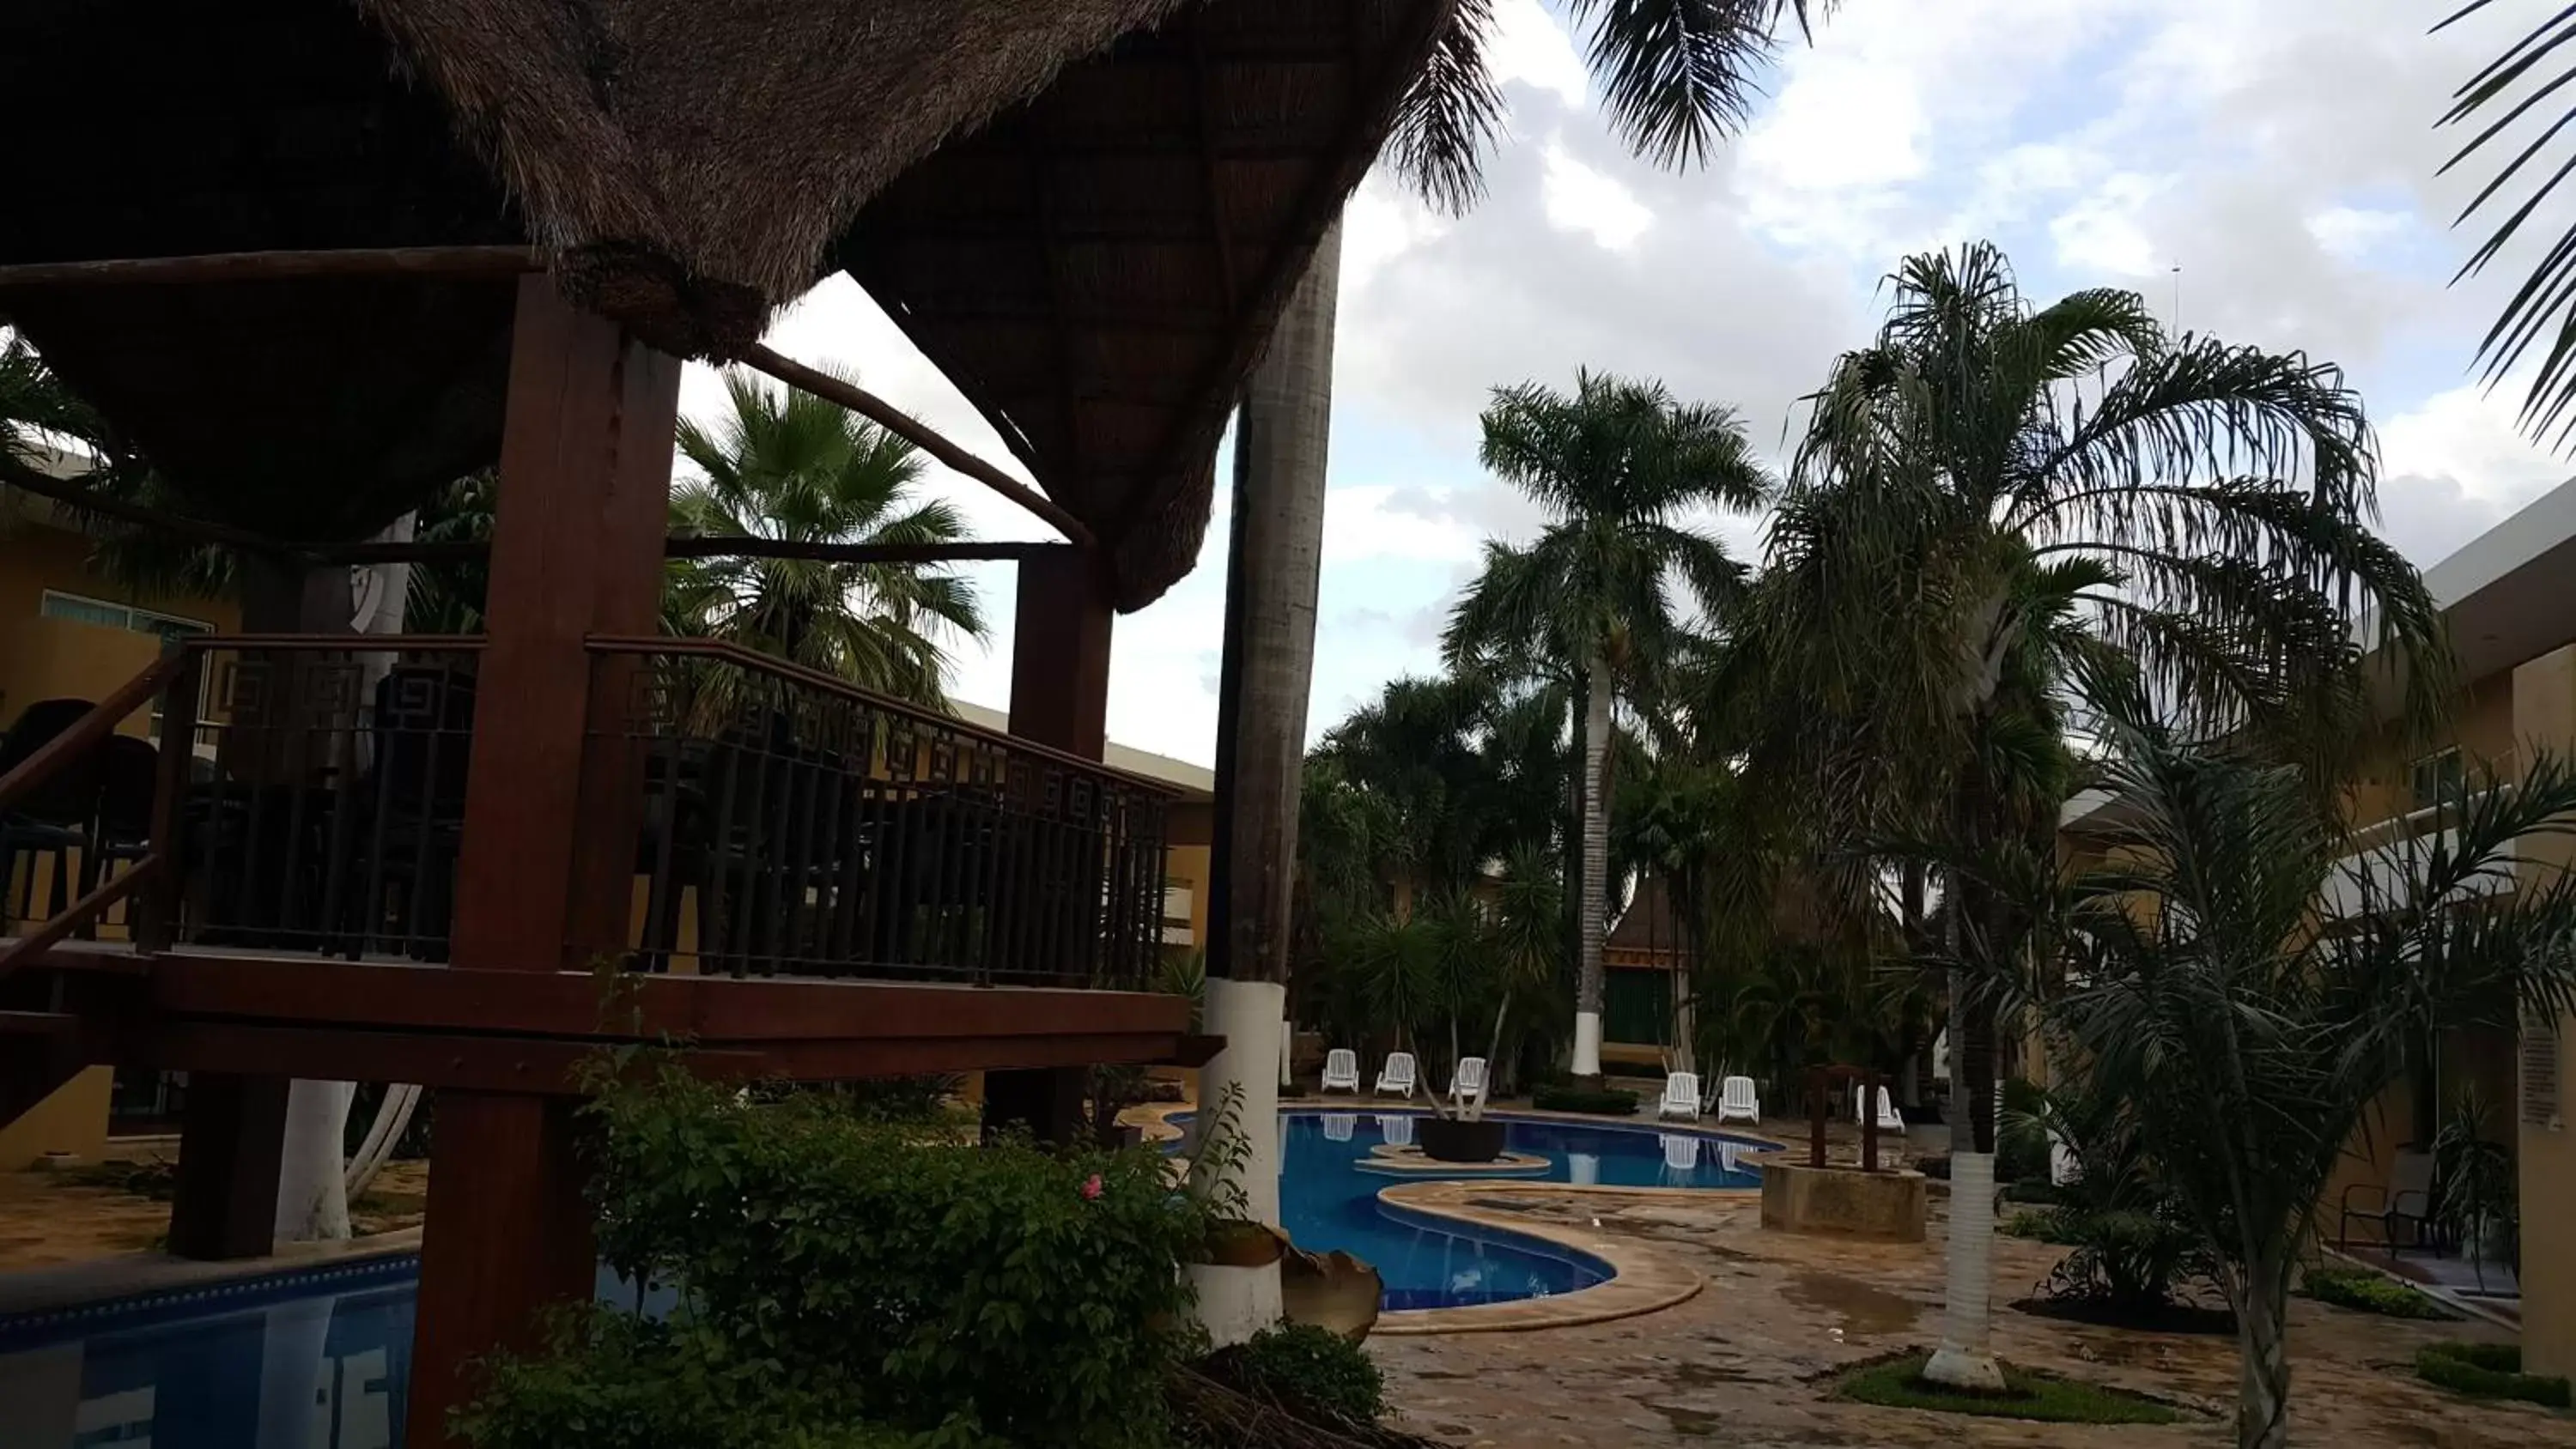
{"points": [[1744, 1362]]}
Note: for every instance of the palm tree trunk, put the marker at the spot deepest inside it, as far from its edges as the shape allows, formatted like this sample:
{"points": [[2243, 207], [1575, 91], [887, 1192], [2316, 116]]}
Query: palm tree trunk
{"points": [[1595, 893], [1280, 451], [2262, 1301], [1966, 1357]]}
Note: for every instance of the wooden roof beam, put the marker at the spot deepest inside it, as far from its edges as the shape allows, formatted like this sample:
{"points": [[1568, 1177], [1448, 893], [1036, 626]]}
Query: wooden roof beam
{"points": [[903, 425]]}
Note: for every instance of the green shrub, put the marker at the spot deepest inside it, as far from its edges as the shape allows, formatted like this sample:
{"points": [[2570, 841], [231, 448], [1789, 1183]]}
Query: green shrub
{"points": [[835, 1269], [1604, 1102], [1310, 1370], [1898, 1383], [2488, 1371], [2037, 1224], [2368, 1292]]}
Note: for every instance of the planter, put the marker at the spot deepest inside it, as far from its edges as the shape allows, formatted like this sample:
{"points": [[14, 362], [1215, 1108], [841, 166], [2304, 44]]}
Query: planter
{"points": [[1446, 1139], [1843, 1200], [1242, 1245]]}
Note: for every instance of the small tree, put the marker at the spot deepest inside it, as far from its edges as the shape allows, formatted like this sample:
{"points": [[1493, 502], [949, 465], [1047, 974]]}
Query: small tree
{"points": [[2248, 984]]}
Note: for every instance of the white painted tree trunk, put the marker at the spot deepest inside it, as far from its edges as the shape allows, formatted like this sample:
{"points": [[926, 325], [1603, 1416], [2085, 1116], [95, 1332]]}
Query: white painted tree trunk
{"points": [[314, 1184], [1966, 1357], [312, 1192], [1282, 447], [1594, 899]]}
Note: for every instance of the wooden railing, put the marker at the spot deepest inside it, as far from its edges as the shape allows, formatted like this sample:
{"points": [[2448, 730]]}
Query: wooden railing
{"points": [[307, 793], [795, 824]]}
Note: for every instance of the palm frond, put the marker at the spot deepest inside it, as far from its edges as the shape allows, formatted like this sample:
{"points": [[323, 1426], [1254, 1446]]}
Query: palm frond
{"points": [[2531, 71]]}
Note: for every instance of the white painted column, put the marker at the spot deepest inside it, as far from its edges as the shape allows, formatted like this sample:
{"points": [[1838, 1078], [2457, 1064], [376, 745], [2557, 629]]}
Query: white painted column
{"points": [[1236, 1303], [1966, 1357], [1587, 1044]]}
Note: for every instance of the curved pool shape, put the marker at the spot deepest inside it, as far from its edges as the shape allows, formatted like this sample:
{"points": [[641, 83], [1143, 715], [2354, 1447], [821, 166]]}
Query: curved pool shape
{"points": [[320, 1359], [1328, 1200]]}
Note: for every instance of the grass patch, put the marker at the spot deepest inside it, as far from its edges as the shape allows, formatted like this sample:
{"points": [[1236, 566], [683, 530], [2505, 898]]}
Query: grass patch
{"points": [[2363, 1291], [2488, 1371], [1898, 1383], [1608, 1102]]}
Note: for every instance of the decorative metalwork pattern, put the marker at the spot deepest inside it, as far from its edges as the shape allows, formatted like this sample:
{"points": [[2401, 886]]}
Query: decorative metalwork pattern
{"points": [[791, 826]]}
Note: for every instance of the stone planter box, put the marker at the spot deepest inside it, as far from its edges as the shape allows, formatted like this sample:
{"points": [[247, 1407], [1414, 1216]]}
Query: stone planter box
{"points": [[1446, 1139], [1888, 1206]]}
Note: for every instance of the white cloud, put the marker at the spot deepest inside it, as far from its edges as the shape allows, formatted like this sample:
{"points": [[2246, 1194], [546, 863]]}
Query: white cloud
{"points": [[2350, 232], [1527, 45], [2106, 231], [2468, 435], [1579, 198]]}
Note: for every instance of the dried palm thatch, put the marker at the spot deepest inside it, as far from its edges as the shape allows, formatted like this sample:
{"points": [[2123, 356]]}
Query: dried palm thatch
{"points": [[692, 164], [1087, 212]]}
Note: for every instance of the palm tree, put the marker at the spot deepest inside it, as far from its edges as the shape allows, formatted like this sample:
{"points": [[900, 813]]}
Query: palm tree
{"points": [[1676, 78], [1994, 498], [788, 466], [1591, 603], [2519, 83], [2247, 988]]}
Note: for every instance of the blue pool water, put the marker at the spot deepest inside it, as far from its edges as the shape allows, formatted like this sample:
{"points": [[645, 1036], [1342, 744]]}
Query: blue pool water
{"points": [[321, 1360], [1328, 1199]]}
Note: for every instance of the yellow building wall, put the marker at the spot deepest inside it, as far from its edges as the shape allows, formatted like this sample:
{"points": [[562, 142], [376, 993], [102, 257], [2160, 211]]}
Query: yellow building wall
{"points": [[73, 1120], [2544, 713], [43, 658]]}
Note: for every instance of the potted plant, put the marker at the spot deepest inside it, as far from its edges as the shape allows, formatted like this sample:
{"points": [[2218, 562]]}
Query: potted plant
{"points": [[2474, 1197], [1465, 974]]}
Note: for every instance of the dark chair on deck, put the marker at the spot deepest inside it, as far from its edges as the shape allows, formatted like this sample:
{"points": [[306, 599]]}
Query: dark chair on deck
{"points": [[56, 816]]}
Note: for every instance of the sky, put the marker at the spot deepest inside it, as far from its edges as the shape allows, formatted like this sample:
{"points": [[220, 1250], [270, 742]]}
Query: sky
{"points": [[2264, 173]]}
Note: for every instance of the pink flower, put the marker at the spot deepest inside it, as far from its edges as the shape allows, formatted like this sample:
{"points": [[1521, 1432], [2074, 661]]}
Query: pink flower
{"points": [[1091, 1189]]}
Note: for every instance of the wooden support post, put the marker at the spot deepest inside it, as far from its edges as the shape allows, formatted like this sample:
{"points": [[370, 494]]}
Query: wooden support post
{"points": [[1060, 699], [224, 1204], [576, 550]]}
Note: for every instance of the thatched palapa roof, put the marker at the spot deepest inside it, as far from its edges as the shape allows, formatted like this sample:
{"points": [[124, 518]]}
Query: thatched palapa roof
{"points": [[1089, 214]]}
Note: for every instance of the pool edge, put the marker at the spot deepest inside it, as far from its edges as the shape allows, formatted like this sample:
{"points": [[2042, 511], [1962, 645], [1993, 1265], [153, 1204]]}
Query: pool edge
{"points": [[1643, 1279]]}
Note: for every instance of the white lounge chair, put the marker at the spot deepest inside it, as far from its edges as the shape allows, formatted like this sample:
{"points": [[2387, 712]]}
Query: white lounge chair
{"points": [[1681, 1096], [1889, 1119], [1467, 1084], [1338, 1126], [1341, 1070], [1737, 1102], [1396, 1128], [1398, 1075], [1681, 1151]]}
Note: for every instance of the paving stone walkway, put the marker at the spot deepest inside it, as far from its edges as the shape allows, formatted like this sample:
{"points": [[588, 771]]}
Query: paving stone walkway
{"points": [[1741, 1363]]}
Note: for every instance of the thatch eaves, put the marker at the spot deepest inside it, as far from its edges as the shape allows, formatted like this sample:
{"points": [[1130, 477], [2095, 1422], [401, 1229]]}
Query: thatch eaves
{"points": [[1088, 214]]}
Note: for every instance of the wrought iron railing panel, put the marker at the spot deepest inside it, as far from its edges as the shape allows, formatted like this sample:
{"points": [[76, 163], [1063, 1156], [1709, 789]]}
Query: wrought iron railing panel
{"points": [[324, 807], [793, 825], [777, 821]]}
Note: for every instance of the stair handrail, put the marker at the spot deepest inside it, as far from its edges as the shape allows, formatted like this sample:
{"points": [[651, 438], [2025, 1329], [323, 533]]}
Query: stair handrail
{"points": [[79, 913]]}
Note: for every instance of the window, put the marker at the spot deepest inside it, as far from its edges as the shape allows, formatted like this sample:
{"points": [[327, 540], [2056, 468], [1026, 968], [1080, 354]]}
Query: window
{"points": [[79, 610], [2436, 777]]}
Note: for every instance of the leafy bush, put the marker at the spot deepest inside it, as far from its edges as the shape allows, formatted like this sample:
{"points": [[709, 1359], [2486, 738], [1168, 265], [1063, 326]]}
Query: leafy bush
{"points": [[2037, 1224], [2367, 1292], [1309, 1370], [837, 1270], [1604, 1102], [2135, 1246], [2488, 1371]]}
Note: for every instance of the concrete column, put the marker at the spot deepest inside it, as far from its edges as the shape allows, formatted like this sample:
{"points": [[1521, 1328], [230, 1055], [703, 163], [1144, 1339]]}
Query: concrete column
{"points": [[2544, 718]]}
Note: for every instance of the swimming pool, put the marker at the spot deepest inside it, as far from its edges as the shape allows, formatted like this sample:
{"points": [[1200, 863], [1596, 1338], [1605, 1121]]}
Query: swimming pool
{"points": [[321, 1359], [1328, 1199]]}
